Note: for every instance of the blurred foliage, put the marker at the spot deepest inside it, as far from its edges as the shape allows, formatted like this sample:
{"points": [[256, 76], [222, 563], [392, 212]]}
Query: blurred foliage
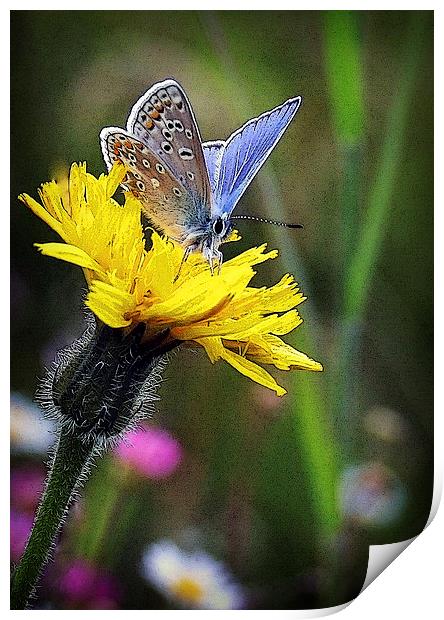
{"points": [[261, 477]]}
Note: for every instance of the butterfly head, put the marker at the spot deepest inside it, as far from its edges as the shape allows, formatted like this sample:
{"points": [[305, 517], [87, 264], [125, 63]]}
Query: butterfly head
{"points": [[207, 238], [221, 227]]}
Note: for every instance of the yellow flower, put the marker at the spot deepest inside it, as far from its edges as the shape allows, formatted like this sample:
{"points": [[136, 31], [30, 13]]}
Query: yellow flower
{"points": [[129, 284]]}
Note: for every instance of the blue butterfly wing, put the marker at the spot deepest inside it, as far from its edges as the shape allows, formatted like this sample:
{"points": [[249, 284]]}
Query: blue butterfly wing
{"points": [[233, 165]]}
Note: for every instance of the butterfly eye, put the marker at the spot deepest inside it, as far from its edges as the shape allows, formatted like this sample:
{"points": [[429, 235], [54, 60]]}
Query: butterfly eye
{"points": [[218, 226]]}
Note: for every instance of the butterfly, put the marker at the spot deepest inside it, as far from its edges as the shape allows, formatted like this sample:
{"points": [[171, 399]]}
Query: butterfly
{"points": [[188, 189]]}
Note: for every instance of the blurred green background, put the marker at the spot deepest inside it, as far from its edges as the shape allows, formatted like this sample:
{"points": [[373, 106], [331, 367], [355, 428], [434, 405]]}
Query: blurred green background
{"points": [[282, 490]]}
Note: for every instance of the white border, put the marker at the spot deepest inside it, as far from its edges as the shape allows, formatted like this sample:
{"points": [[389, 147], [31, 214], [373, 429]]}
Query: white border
{"points": [[412, 586], [228, 5]]}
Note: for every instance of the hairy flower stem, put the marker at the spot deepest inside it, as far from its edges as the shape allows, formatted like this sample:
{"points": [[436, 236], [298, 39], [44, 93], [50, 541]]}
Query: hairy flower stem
{"points": [[100, 387], [70, 466]]}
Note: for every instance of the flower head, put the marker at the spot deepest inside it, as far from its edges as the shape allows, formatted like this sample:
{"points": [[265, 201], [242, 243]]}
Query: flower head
{"points": [[193, 580], [129, 284], [153, 452]]}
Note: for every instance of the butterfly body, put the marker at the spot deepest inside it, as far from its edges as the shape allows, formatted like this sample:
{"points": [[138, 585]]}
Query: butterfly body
{"points": [[188, 189]]}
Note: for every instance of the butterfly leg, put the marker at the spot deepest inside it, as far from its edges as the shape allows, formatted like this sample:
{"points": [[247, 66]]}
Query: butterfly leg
{"points": [[212, 255], [186, 254], [220, 260]]}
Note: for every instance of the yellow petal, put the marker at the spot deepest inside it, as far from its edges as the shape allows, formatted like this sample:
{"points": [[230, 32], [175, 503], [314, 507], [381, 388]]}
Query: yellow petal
{"points": [[282, 324], [114, 178], [42, 213], [253, 371], [233, 236], [110, 304], [70, 254], [244, 328], [269, 349], [52, 199], [77, 184], [229, 328], [213, 348], [251, 257], [198, 298]]}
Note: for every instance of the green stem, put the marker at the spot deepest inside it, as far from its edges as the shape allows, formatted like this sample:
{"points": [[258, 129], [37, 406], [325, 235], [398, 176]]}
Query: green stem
{"points": [[321, 453], [344, 73], [374, 226], [71, 464], [360, 243], [102, 515]]}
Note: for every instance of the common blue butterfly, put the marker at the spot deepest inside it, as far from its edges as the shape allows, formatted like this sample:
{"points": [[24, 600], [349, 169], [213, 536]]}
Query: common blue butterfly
{"points": [[188, 189]]}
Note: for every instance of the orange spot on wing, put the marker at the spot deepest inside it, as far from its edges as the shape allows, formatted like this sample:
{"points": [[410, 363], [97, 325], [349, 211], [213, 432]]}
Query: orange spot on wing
{"points": [[116, 148]]}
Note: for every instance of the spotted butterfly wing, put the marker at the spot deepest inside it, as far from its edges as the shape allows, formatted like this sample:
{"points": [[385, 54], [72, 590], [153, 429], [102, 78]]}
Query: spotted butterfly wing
{"points": [[165, 201], [162, 152], [163, 120]]}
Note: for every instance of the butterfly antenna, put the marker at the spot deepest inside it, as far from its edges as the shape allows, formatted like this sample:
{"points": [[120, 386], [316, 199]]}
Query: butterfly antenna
{"points": [[265, 221]]}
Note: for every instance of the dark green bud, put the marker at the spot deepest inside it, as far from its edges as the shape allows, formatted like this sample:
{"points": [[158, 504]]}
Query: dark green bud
{"points": [[105, 382]]}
